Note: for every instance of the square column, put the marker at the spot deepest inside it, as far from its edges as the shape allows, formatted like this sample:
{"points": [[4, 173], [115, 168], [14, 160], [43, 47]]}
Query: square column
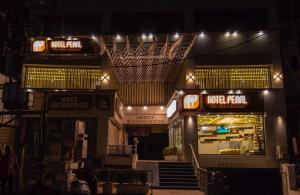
{"points": [[189, 137]]}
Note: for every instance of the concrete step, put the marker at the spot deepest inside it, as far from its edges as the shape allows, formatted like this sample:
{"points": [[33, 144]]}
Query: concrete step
{"points": [[178, 184]]}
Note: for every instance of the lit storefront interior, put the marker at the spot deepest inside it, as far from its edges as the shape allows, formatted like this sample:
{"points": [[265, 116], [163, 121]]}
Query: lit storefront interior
{"points": [[240, 134]]}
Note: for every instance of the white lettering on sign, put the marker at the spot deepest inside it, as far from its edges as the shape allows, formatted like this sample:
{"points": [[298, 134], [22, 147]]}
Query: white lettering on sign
{"points": [[172, 108], [65, 45], [227, 99], [145, 119]]}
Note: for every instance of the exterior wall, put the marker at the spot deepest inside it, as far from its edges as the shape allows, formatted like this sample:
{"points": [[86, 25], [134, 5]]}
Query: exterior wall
{"points": [[100, 14], [211, 51]]}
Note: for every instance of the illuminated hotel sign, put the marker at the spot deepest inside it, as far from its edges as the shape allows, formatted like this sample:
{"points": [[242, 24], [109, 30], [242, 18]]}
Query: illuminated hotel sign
{"points": [[225, 101], [191, 102], [172, 108], [66, 45]]}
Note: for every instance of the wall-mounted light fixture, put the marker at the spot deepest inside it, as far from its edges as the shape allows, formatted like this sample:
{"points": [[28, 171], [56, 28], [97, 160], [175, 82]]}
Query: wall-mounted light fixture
{"points": [[129, 108], [278, 76], [105, 77], [190, 77]]}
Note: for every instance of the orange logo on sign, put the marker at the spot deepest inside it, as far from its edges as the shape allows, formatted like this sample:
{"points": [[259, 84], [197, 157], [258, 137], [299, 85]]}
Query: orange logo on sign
{"points": [[191, 102], [38, 46]]}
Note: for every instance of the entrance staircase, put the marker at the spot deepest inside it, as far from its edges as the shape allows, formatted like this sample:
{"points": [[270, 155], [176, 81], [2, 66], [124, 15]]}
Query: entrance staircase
{"points": [[177, 175]]}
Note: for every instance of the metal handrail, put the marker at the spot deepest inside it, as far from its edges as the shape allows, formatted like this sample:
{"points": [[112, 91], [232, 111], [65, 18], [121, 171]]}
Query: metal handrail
{"points": [[201, 174]]}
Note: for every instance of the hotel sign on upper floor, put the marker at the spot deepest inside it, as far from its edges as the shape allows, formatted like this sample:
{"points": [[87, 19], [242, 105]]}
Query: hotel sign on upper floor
{"points": [[63, 46]]}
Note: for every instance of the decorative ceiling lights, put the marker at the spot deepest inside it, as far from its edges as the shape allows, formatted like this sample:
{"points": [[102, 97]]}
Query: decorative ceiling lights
{"points": [[144, 59]]}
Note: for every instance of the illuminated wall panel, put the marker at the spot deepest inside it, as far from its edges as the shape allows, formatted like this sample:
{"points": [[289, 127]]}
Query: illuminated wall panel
{"points": [[62, 77], [233, 78]]}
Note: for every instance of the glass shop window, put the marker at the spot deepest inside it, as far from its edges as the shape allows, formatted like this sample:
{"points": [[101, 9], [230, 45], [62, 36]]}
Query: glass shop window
{"points": [[175, 135], [232, 134]]}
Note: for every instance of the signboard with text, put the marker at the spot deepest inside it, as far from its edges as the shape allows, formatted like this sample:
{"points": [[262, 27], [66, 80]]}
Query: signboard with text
{"points": [[81, 101], [64, 46], [251, 101], [146, 119], [70, 102]]}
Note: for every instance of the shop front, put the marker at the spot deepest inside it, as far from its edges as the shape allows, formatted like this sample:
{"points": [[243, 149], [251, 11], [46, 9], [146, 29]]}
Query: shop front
{"points": [[100, 110], [230, 129]]}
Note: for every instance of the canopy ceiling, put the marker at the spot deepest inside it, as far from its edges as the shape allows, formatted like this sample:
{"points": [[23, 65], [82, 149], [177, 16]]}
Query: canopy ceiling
{"points": [[146, 58]]}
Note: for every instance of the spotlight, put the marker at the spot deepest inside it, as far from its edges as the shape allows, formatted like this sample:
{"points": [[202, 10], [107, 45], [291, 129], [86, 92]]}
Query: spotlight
{"points": [[129, 108], [118, 37], [150, 36], [145, 107], [176, 36], [144, 36], [234, 34], [266, 92], [260, 33], [161, 107], [227, 34], [202, 35]]}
